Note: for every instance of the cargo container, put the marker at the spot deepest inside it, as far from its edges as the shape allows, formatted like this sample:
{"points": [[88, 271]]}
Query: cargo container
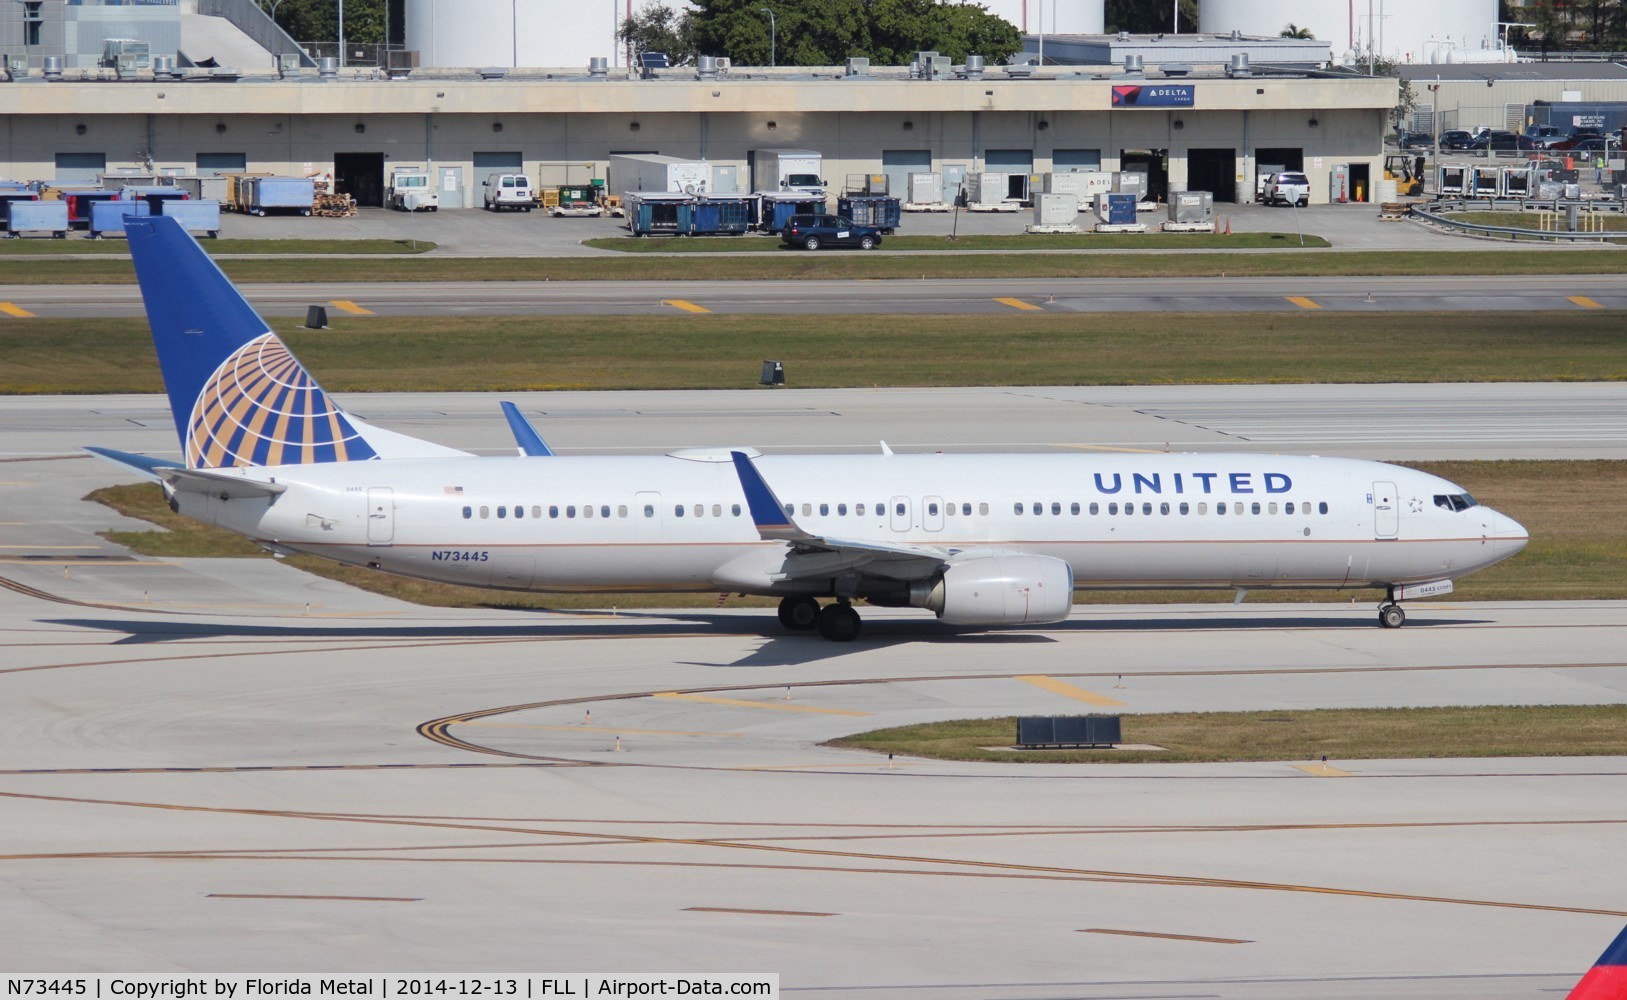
{"points": [[986, 188], [870, 210], [775, 208], [653, 173], [1191, 207], [289, 195], [725, 179], [721, 216], [1055, 209], [214, 187], [237, 190], [108, 216], [195, 216], [926, 188], [1131, 182], [8, 195], [1450, 180], [1117, 208], [665, 213], [38, 217], [1083, 184], [792, 170]]}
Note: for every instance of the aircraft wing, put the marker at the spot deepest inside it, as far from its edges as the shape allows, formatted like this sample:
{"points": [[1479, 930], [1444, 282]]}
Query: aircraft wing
{"points": [[774, 524]]}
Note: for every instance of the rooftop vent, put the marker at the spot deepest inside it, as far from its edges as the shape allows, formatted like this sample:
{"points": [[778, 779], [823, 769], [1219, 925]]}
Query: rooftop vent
{"points": [[1237, 34], [327, 67], [53, 67], [492, 72], [974, 68], [1176, 69], [1239, 65], [163, 67], [706, 68], [1133, 63], [599, 67]]}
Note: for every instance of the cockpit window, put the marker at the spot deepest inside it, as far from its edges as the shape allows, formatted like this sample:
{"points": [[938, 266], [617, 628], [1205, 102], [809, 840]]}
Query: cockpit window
{"points": [[1455, 501]]}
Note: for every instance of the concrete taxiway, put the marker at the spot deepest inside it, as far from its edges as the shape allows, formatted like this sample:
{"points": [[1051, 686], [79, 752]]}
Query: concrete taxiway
{"points": [[1556, 293], [229, 765]]}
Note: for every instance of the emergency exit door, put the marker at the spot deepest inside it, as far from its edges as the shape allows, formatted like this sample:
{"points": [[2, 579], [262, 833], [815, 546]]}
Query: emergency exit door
{"points": [[1386, 511]]}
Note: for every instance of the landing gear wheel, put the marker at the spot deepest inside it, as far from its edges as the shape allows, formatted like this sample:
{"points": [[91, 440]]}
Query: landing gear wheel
{"points": [[811, 243], [1391, 616], [838, 623], [799, 613]]}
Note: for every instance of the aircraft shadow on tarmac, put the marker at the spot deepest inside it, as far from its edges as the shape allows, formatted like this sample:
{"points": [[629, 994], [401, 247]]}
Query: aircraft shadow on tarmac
{"points": [[779, 649]]}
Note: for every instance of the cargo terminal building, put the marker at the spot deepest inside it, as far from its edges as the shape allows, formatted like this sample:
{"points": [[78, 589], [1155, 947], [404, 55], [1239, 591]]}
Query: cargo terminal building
{"points": [[1190, 126]]}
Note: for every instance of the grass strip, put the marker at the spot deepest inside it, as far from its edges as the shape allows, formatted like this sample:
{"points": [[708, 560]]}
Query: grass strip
{"points": [[451, 354], [1036, 241], [1576, 513], [1340, 734], [1609, 221], [119, 247], [857, 265]]}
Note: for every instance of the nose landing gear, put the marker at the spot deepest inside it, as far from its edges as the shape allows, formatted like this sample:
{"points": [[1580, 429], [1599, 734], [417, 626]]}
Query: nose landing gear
{"points": [[1390, 615]]}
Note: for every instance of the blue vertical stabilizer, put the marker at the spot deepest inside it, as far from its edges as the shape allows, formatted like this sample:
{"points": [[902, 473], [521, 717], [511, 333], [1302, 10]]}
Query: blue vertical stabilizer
{"points": [[238, 396]]}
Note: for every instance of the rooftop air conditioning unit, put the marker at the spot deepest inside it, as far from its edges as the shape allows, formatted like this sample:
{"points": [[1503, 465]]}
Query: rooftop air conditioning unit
{"points": [[857, 66]]}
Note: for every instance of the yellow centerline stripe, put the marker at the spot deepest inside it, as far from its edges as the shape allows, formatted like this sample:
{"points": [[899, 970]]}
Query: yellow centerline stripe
{"points": [[1323, 771], [350, 307], [15, 310], [1303, 302], [596, 729], [1584, 302], [774, 705], [686, 306], [1067, 690], [1019, 304]]}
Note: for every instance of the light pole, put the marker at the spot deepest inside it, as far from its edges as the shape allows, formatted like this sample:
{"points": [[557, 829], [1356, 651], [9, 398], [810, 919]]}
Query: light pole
{"points": [[773, 35], [341, 34]]}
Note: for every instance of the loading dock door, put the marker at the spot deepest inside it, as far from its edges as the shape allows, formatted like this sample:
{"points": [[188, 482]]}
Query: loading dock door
{"points": [[1067, 160], [80, 166], [360, 175], [898, 164], [486, 164], [1153, 162], [1018, 163], [1212, 170]]}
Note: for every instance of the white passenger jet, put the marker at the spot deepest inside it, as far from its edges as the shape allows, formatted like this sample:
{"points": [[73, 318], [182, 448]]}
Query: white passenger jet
{"points": [[981, 540]]}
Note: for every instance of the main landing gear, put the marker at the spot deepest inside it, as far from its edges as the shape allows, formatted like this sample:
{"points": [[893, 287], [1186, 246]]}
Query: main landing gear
{"points": [[1390, 614], [837, 622]]}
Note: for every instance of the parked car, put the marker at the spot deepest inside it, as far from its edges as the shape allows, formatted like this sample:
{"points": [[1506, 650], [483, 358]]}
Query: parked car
{"points": [[1571, 141], [811, 232], [1488, 143], [1414, 140], [1456, 139], [1289, 188], [1596, 146]]}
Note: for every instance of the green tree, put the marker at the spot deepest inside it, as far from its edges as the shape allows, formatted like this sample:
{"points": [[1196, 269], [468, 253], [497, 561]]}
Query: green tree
{"points": [[1146, 17], [1295, 31], [658, 28], [827, 32], [318, 20]]}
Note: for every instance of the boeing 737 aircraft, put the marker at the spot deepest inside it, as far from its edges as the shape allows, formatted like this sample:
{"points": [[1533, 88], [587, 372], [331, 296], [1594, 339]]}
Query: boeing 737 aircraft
{"points": [[981, 540]]}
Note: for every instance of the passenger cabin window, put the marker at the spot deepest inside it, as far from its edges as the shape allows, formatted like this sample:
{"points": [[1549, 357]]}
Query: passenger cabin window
{"points": [[824, 510], [1185, 508], [899, 510], [1220, 508], [536, 511], [932, 509], [1056, 508], [983, 509], [717, 510], [841, 510], [1288, 508], [649, 510], [1255, 507], [735, 510], [1095, 509], [1017, 508], [604, 510], [485, 512], [1075, 509], [858, 509], [678, 510], [1112, 508], [621, 510], [1322, 507], [553, 511], [468, 512], [519, 512], [502, 512], [587, 510]]}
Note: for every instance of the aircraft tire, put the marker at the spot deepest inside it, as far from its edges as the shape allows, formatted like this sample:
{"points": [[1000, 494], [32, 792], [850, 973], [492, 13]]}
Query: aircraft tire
{"points": [[839, 623], [799, 614], [1391, 616]]}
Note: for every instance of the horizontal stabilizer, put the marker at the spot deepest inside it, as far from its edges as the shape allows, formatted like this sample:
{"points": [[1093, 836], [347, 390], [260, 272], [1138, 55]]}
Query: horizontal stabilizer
{"points": [[526, 436], [145, 464], [217, 484]]}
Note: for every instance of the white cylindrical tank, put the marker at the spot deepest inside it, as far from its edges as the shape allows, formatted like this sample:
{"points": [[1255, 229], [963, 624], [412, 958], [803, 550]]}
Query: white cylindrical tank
{"points": [[1397, 29], [1055, 17], [476, 33]]}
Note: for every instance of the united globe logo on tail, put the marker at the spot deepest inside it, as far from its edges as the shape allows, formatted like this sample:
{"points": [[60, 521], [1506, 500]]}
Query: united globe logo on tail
{"points": [[261, 407]]}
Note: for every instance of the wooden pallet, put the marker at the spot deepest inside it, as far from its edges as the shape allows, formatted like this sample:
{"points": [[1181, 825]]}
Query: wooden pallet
{"points": [[334, 206]]}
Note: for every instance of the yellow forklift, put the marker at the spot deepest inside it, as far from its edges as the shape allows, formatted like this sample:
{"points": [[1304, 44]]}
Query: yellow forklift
{"points": [[1407, 170]]}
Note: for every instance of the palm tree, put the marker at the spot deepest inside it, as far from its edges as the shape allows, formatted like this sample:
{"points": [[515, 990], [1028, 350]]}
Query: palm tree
{"points": [[1295, 31]]}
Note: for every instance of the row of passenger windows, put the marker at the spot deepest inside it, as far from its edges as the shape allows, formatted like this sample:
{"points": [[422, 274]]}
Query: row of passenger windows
{"points": [[589, 511], [1183, 508]]}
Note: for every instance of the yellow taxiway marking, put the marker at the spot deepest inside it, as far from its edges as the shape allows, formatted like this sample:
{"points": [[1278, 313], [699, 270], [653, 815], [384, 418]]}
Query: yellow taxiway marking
{"points": [[1067, 690], [15, 310], [1323, 771], [774, 705], [345, 305], [1303, 302], [54, 548], [688, 307], [594, 729], [1020, 304], [1584, 302]]}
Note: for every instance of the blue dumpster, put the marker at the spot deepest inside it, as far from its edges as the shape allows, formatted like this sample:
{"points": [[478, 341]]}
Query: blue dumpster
{"points": [[9, 194], [660, 212], [870, 210], [775, 208]]}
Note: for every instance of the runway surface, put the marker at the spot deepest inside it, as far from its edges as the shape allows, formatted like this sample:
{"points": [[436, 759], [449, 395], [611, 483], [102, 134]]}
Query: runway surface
{"points": [[1559, 294], [228, 765]]}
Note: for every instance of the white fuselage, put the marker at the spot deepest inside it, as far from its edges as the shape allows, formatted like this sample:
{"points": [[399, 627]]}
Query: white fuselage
{"points": [[682, 523]]}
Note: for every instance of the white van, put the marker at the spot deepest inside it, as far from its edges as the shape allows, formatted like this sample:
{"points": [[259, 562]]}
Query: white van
{"points": [[509, 191]]}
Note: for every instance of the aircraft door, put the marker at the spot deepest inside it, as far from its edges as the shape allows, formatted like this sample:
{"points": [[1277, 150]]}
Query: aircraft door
{"points": [[1386, 511], [380, 516], [932, 513], [899, 509], [647, 517]]}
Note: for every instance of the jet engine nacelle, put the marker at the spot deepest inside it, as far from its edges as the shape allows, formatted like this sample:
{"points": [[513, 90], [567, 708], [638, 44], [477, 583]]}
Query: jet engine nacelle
{"points": [[1003, 590]]}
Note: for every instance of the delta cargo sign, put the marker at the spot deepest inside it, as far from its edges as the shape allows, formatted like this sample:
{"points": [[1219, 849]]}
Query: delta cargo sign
{"points": [[1153, 95]]}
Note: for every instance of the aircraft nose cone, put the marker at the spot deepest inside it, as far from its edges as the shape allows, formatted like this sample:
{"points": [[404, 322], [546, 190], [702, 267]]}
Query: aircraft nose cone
{"points": [[1510, 534]]}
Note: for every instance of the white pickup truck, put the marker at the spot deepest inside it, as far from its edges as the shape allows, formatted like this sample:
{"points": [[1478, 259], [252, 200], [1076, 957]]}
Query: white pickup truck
{"points": [[413, 191]]}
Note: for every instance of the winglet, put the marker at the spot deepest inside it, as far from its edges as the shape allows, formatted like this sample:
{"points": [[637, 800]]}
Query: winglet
{"points": [[526, 436], [773, 523], [1607, 980]]}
